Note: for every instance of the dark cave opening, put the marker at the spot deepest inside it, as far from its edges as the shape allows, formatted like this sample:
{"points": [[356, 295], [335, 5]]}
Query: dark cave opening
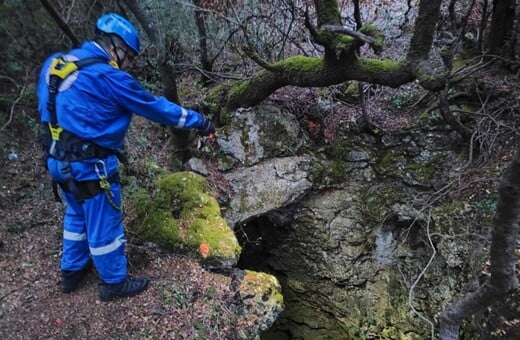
{"points": [[259, 236]]}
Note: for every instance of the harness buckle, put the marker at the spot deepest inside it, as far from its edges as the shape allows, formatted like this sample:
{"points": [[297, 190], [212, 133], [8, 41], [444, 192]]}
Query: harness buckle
{"points": [[55, 132], [62, 68]]}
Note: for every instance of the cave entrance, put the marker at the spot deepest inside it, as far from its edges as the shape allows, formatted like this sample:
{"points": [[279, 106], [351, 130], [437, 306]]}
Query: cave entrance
{"points": [[262, 239], [259, 236]]}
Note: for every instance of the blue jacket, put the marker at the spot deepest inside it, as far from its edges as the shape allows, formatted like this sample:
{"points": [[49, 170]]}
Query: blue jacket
{"points": [[97, 102]]}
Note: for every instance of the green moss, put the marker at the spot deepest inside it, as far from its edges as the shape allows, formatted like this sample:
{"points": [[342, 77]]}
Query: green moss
{"points": [[375, 202], [183, 214], [264, 288], [452, 212], [374, 66], [217, 98], [239, 88], [329, 173], [374, 32], [299, 64], [328, 12], [388, 161], [342, 147], [351, 89], [432, 81], [140, 199], [448, 216], [423, 172], [344, 42], [149, 168], [459, 63], [398, 165]]}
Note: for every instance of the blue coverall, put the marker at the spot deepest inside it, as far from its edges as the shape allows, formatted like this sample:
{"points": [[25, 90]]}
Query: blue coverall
{"points": [[96, 103]]}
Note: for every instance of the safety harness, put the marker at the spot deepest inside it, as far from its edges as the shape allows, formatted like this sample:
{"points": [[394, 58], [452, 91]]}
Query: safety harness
{"points": [[67, 147]]}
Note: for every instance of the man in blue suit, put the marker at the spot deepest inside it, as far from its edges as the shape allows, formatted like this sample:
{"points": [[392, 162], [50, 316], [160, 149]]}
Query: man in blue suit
{"points": [[86, 103]]}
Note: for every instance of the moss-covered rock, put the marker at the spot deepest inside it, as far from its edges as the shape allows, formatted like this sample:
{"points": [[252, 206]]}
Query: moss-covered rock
{"points": [[260, 294], [183, 215]]}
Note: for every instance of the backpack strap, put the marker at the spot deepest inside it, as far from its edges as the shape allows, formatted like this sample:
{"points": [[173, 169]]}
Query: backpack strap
{"points": [[60, 69]]}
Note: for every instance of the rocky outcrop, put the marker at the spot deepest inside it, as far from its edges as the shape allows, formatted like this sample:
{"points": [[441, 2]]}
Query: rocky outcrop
{"points": [[261, 303], [267, 186], [356, 233], [347, 227]]}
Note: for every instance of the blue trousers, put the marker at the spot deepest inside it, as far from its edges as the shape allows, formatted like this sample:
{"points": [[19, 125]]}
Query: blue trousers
{"points": [[93, 229]]}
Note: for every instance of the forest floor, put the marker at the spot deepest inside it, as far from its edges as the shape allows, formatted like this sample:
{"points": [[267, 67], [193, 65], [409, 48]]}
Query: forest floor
{"points": [[184, 300]]}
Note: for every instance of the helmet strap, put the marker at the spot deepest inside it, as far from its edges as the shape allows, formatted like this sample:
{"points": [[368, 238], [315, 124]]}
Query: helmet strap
{"points": [[115, 47]]}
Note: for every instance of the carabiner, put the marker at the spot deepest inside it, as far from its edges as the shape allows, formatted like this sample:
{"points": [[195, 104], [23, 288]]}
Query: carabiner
{"points": [[104, 169], [103, 179]]}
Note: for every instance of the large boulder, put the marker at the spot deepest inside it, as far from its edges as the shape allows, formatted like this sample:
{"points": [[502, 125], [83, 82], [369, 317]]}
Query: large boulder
{"points": [[182, 214], [267, 186]]}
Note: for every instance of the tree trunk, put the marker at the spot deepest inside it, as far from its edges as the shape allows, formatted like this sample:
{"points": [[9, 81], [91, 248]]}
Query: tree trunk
{"points": [[516, 32], [327, 12], [166, 72], [182, 138], [424, 28], [200, 20], [64, 27], [501, 23], [502, 257]]}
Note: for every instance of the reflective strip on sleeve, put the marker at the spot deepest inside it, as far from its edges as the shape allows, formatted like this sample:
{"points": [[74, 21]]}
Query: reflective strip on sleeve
{"points": [[97, 251], [182, 120], [70, 236]]}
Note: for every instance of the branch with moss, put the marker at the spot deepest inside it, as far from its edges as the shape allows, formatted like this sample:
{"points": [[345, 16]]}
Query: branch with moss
{"points": [[341, 62]]}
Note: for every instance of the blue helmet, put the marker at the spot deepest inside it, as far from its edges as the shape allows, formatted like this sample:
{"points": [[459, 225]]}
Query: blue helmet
{"points": [[113, 23]]}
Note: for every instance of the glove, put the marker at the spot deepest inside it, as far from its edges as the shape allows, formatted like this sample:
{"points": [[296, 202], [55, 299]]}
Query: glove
{"points": [[207, 128]]}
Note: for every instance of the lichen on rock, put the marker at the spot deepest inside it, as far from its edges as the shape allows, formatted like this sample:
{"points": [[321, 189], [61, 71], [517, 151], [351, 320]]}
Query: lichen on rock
{"points": [[260, 295]]}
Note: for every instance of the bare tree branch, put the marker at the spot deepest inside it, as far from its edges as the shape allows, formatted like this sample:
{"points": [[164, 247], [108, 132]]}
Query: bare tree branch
{"points": [[65, 28], [11, 112], [358, 35], [419, 277]]}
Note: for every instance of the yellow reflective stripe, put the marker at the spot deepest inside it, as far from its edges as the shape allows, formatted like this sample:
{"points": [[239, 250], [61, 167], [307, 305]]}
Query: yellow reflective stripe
{"points": [[70, 236], [182, 120], [97, 251]]}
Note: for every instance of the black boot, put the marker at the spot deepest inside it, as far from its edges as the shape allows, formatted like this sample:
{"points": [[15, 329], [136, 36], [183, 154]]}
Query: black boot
{"points": [[72, 279], [130, 287]]}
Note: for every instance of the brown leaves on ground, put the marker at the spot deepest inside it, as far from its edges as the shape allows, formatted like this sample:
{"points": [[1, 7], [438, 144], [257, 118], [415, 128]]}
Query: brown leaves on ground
{"points": [[184, 300]]}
